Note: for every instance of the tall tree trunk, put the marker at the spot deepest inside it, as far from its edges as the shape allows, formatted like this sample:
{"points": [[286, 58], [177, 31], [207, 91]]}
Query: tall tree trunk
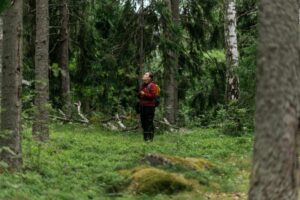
{"points": [[171, 66], [232, 57], [176, 21], [40, 125], [10, 140], [275, 162], [1, 60], [141, 48], [64, 57]]}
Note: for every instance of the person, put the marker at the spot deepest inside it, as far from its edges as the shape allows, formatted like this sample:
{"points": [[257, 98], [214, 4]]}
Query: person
{"points": [[146, 97]]}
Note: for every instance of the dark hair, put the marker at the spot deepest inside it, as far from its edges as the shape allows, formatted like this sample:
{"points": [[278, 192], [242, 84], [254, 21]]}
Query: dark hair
{"points": [[150, 75]]}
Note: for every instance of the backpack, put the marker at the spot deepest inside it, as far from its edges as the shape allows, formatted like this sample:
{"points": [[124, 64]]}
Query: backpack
{"points": [[157, 94]]}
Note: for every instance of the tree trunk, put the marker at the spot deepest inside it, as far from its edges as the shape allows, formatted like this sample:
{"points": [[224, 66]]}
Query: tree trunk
{"points": [[64, 58], [275, 162], [171, 66], [10, 140], [141, 48], [232, 57], [1, 60], [40, 128]]}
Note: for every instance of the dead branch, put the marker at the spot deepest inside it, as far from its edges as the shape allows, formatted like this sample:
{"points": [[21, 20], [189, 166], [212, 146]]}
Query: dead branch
{"points": [[131, 129], [120, 122], [166, 123], [83, 118]]}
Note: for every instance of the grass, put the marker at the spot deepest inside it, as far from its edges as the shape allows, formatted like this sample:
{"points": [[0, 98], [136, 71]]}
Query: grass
{"points": [[83, 163]]}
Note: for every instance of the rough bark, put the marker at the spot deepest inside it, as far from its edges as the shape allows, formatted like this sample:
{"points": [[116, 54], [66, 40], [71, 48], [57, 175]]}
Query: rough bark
{"points": [[40, 128], [1, 60], [64, 57], [10, 140], [275, 162], [171, 66], [232, 57]]}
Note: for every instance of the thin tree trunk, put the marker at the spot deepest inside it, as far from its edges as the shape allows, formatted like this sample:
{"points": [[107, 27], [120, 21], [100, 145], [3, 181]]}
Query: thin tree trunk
{"points": [[298, 92], [40, 125], [141, 48], [275, 162], [64, 58], [1, 60], [171, 67], [10, 140], [176, 20], [232, 57]]}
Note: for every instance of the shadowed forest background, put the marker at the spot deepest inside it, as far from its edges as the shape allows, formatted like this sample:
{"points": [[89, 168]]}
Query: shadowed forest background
{"points": [[111, 44], [70, 74]]}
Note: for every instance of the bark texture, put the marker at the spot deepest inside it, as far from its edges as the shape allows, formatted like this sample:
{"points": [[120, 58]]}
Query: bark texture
{"points": [[10, 140], [40, 125], [64, 57], [232, 55], [171, 66], [275, 162], [1, 60]]}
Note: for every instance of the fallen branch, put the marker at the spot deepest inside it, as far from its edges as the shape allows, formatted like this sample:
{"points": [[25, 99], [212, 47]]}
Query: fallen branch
{"points": [[63, 117], [120, 122], [131, 129], [63, 114], [84, 119], [165, 122], [110, 126], [107, 120], [66, 120]]}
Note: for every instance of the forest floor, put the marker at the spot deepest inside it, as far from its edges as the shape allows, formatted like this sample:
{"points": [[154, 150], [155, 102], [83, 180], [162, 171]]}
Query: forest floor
{"points": [[81, 163]]}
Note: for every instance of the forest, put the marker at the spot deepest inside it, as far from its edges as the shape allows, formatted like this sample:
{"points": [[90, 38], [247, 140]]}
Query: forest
{"points": [[149, 99]]}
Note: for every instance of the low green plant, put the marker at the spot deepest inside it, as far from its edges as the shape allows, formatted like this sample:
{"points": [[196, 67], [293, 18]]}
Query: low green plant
{"points": [[83, 162]]}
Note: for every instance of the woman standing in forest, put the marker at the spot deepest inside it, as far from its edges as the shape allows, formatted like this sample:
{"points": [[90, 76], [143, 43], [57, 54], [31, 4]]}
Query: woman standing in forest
{"points": [[147, 95]]}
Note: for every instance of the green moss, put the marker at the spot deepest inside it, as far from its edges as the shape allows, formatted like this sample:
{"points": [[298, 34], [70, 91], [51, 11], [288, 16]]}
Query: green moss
{"points": [[150, 180], [83, 162], [193, 163]]}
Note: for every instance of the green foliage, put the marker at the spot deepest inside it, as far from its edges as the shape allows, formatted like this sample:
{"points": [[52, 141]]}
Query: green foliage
{"points": [[4, 4], [234, 120], [105, 76], [247, 34], [204, 103], [84, 163], [207, 91], [104, 56]]}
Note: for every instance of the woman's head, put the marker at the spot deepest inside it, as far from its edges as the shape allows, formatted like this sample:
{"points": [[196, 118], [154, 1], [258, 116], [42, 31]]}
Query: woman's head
{"points": [[148, 77]]}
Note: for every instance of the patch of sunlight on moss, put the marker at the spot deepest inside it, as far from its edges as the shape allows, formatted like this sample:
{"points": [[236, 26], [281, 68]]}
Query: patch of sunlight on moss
{"points": [[194, 163]]}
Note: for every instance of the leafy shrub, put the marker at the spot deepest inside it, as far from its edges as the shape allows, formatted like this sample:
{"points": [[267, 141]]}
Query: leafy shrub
{"points": [[234, 120]]}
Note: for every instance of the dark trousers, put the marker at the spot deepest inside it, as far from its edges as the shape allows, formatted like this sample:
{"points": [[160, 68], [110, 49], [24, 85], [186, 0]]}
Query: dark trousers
{"points": [[147, 116]]}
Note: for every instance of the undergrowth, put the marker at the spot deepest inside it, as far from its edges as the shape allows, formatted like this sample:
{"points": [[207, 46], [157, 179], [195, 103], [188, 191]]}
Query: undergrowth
{"points": [[83, 162]]}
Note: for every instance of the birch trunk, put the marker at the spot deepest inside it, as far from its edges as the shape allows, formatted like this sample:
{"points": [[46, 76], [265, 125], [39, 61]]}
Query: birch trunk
{"points": [[275, 162], [10, 140], [40, 125], [232, 57]]}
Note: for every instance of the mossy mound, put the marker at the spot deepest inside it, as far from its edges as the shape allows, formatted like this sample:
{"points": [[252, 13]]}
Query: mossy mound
{"points": [[193, 163], [150, 180]]}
